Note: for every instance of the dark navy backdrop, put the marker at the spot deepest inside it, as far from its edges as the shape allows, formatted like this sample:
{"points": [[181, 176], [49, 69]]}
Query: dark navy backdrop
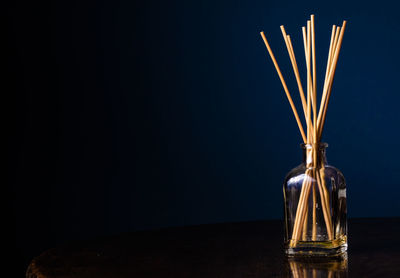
{"points": [[129, 115]]}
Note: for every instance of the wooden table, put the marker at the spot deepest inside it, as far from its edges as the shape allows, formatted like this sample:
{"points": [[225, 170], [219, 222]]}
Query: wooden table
{"points": [[249, 249]]}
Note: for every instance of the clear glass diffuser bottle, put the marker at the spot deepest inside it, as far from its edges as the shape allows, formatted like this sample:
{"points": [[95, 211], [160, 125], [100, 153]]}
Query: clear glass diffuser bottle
{"points": [[315, 207]]}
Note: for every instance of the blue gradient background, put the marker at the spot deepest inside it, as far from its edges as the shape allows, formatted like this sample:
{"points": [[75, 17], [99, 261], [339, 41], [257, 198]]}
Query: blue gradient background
{"points": [[138, 115]]}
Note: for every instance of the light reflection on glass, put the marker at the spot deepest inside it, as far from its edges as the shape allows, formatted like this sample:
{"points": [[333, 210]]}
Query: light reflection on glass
{"points": [[317, 267]]}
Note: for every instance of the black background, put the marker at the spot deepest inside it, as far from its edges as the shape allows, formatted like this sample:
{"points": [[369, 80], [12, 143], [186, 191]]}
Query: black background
{"points": [[123, 115]]}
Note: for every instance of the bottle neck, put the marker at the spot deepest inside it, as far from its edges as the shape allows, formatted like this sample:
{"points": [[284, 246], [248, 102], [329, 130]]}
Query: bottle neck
{"points": [[314, 155]]}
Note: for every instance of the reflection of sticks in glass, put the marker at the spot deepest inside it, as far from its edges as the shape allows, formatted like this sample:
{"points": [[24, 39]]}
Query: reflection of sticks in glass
{"points": [[294, 269], [318, 268], [314, 177]]}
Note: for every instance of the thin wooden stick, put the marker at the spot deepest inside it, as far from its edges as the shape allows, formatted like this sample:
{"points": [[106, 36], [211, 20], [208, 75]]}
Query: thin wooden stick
{"points": [[314, 79], [314, 86], [295, 69], [309, 72], [305, 225], [328, 69], [314, 212], [328, 63], [325, 205], [326, 83], [305, 52], [297, 75], [302, 214], [312, 93], [296, 115], [303, 29], [325, 201], [306, 181], [337, 33], [300, 207], [331, 75], [310, 99], [314, 97]]}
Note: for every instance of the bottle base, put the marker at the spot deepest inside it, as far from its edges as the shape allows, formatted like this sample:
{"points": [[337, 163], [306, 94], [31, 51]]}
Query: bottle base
{"points": [[331, 249]]}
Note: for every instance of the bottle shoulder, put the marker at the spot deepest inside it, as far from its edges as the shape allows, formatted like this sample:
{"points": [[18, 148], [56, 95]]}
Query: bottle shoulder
{"points": [[330, 172]]}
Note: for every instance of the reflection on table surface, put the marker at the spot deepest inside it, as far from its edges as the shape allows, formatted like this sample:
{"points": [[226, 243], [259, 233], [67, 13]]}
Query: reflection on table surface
{"points": [[250, 249], [317, 267]]}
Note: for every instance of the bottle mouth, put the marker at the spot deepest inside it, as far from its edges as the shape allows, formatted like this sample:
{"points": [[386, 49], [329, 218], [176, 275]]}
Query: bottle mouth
{"points": [[320, 146]]}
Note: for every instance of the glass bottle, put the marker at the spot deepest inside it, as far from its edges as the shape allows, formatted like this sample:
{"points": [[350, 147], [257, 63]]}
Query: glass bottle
{"points": [[315, 207]]}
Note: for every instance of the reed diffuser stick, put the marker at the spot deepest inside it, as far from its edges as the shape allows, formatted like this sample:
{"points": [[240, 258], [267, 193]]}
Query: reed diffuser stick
{"points": [[299, 219], [325, 204], [309, 78], [314, 212], [331, 50], [296, 115], [300, 213], [295, 69], [331, 75], [327, 81], [329, 67], [305, 225], [314, 76], [314, 96], [306, 181]]}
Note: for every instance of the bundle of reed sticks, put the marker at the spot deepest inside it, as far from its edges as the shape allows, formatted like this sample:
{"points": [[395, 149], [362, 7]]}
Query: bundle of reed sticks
{"points": [[314, 119]]}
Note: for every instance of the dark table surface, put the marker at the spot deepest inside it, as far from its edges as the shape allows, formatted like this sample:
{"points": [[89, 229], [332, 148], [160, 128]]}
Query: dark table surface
{"points": [[248, 249]]}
